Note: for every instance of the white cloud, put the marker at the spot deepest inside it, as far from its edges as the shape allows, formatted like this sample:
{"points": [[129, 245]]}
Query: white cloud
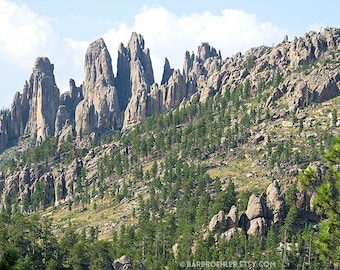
{"points": [[23, 33]]}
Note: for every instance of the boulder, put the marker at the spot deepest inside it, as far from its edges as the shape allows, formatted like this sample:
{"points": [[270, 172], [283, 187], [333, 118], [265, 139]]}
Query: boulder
{"points": [[232, 218], [218, 222], [275, 203], [229, 234], [123, 263], [258, 225], [256, 207]]}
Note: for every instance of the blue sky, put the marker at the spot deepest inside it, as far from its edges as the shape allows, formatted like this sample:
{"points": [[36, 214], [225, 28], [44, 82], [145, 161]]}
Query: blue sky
{"points": [[62, 30]]}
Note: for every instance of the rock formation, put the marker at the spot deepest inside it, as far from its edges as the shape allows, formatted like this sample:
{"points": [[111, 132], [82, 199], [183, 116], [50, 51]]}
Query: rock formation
{"points": [[139, 83], [4, 129], [167, 71], [218, 222], [275, 204], [45, 100], [100, 106]]}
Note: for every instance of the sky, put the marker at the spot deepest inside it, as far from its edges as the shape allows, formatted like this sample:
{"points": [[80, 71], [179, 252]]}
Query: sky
{"points": [[62, 30]]}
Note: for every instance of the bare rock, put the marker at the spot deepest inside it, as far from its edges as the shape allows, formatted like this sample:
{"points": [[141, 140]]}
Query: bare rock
{"points": [[4, 129], [229, 234], [232, 217], [123, 263], [174, 91], [43, 99], [140, 80], [100, 106], [175, 250], [218, 222], [62, 119], [275, 203], [256, 207], [167, 71], [258, 225]]}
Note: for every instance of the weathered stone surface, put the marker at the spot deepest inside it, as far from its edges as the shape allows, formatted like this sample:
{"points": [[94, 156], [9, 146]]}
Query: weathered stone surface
{"points": [[139, 82], [123, 263], [232, 218], [100, 106], [218, 222], [167, 71], [174, 91], [71, 98], [229, 234], [4, 129], [256, 207], [62, 119], [258, 225], [275, 203], [44, 102], [175, 250]]}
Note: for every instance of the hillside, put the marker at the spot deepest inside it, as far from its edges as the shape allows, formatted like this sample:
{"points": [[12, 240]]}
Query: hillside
{"points": [[195, 168]]}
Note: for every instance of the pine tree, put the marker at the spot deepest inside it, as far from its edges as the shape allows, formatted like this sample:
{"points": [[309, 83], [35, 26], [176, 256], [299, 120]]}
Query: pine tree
{"points": [[327, 204]]}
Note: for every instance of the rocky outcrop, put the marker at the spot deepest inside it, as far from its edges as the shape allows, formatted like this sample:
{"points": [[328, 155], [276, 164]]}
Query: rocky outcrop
{"points": [[4, 129], [139, 83], [71, 98], [173, 92], [257, 214], [232, 218], [197, 69], [45, 100], [167, 71], [218, 222], [20, 111], [275, 204], [258, 225], [100, 106], [123, 263], [256, 207]]}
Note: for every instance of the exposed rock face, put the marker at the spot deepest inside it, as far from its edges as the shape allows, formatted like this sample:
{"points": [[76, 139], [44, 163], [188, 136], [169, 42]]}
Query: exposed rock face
{"points": [[44, 103], [167, 71], [4, 129], [256, 213], [258, 225], [20, 111], [123, 263], [62, 119], [197, 69], [140, 81], [275, 203], [100, 106], [173, 92], [71, 98], [256, 207], [218, 222], [232, 217]]}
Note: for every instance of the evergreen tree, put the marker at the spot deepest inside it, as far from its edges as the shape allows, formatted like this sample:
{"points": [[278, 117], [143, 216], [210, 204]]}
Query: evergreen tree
{"points": [[327, 203]]}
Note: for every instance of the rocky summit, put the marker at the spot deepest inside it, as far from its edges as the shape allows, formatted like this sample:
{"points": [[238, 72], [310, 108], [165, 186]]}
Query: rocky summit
{"points": [[228, 158], [104, 103]]}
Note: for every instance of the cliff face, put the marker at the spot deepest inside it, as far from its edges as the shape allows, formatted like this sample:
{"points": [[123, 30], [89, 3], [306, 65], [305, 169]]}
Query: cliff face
{"points": [[45, 100], [104, 102], [141, 78], [34, 111], [100, 106]]}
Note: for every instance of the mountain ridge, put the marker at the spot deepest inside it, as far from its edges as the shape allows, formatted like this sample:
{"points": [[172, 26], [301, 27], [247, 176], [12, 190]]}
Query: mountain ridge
{"points": [[245, 125]]}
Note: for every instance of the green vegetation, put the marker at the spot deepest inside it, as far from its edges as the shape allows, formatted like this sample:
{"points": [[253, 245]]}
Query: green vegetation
{"points": [[160, 184], [327, 203]]}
